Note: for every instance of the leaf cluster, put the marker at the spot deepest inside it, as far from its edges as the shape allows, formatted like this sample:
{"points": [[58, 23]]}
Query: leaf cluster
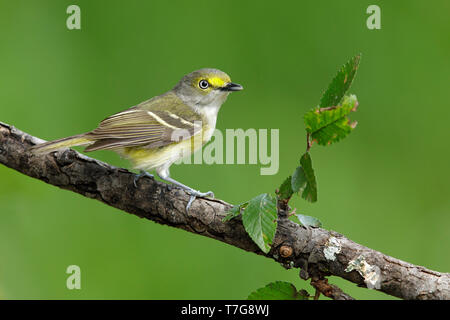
{"points": [[325, 124]]}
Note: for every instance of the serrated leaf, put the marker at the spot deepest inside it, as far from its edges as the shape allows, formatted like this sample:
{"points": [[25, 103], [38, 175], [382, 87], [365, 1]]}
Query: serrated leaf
{"points": [[285, 190], [330, 125], [304, 179], [260, 220], [341, 83], [309, 221], [278, 290]]}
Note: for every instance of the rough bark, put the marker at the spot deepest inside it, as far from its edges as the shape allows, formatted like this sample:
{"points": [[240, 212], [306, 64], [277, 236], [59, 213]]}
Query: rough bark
{"points": [[318, 252]]}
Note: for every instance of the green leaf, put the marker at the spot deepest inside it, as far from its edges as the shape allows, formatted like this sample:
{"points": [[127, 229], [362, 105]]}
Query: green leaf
{"points": [[298, 182], [234, 212], [330, 125], [341, 83], [278, 290], [260, 220], [309, 221], [304, 179], [285, 191]]}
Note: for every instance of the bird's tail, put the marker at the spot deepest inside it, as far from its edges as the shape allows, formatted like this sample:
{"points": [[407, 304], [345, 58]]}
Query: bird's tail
{"points": [[46, 147]]}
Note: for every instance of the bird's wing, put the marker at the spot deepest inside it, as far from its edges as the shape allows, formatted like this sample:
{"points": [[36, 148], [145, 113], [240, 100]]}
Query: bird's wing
{"points": [[148, 125]]}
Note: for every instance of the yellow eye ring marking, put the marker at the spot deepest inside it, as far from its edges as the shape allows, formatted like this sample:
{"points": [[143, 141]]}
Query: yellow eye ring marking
{"points": [[215, 82]]}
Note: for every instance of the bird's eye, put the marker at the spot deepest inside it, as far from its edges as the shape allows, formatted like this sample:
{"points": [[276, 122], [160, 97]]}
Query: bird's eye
{"points": [[203, 84]]}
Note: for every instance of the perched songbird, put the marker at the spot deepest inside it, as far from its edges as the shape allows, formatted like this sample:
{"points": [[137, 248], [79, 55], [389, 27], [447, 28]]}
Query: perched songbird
{"points": [[157, 132]]}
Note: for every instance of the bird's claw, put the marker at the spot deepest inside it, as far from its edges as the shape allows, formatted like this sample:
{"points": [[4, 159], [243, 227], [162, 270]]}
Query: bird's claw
{"points": [[197, 194], [142, 174]]}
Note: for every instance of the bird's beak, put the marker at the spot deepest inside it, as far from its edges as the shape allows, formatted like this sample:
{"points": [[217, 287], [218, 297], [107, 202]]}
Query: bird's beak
{"points": [[230, 86]]}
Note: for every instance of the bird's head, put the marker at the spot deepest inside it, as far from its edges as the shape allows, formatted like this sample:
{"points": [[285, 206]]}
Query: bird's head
{"points": [[205, 87]]}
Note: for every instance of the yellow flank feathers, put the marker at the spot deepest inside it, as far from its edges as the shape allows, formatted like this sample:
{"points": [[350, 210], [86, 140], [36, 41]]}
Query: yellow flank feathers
{"points": [[146, 159]]}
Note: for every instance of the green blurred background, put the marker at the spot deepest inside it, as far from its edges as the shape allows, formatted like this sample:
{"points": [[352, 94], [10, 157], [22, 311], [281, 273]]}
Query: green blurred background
{"points": [[385, 186]]}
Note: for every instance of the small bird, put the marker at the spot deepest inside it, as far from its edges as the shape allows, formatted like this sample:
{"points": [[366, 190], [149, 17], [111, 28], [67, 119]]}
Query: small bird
{"points": [[157, 132]]}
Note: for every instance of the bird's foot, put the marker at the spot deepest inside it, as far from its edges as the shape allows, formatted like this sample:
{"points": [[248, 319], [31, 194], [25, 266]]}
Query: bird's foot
{"points": [[193, 193], [197, 194], [140, 175]]}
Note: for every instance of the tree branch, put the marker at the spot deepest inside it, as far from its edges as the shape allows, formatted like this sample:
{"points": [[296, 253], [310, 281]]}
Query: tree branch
{"points": [[318, 252]]}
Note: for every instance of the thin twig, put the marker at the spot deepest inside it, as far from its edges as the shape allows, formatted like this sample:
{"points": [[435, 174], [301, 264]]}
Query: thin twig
{"points": [[330, 290], [308, 141]]}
